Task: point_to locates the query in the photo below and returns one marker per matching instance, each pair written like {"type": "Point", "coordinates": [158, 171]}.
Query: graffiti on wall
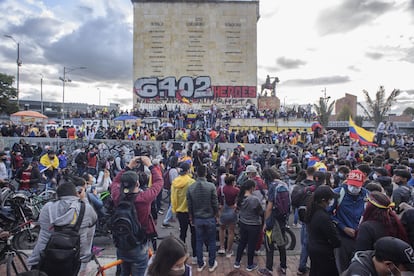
{"type": "Point", "coordinates": [190, 88]}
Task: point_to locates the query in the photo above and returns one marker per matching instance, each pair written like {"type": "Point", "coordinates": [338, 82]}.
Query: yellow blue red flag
{"type": "Point", "coordinates": [365, 137]}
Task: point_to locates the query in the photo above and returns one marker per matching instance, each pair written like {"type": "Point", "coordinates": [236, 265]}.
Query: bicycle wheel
{"type": "Point", "coordinates": [291, 239]}
{"type": "Point", "coordinates": [26, 239]}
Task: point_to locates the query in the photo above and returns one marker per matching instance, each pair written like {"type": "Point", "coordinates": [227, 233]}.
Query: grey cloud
{"type": "Point", "coordinates": [287, 63]}
{"type": "Point", "coordinates": [350, 15]}
{"type": "Point", "coordinates": [100, 45]}
{"type": "Point", "coordinates": [409, 91]}
{"type": "Point", "coordinates": [317, 81]}
{"type": "Point", "coordinates": [37, 28]}
{"type": "Point", "coordinates": [354, 68]}
{"type": "Point", "coordinates": [374, 55]}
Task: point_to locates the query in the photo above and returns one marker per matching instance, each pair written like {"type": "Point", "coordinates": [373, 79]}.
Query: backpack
{"type": "Point", "coordinates": [127, 232]}
{"type": "Point", "coordinates": [62, 253]}
{"type": "Point", "coordinates": [167, 180]}
{"type": "Point", "coordinates": [281, 202]}
{"type": "Point", "coordinates": [300, 196]}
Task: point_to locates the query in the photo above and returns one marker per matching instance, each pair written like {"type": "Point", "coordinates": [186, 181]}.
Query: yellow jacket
{"type": "Point", "coordinates": [179, 188]}
{"type": "Point", "coordinates": [45, 161]}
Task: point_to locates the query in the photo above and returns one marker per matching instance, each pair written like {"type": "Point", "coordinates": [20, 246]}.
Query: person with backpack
{"type": "Point", "coordinates": [169, 175]}
{"type": "Point", "coordinates": [300, 197]}
{"type": "Point", "coordinates": [69, 219]}
{"type": "Point", "coordinates": [132, 222]}
{"type": "Point", "coordinates": [276, 216]}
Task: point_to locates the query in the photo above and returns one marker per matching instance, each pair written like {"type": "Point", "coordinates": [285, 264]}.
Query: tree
{"type": "Point", "coordinates": [324, 111]}
{"type": "Point", "coordinates": [344, 114]}
{"type": "Point", "coordinates": [7, 93]}
{"type": "Point", "coordinates": [409, 111]}
{"type": "Point", "coordinates": [377, 109]}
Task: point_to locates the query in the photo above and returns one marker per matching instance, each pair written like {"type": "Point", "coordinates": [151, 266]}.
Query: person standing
{"type": "Point", "coordinates": [179, 203]}
{"type": "Point", "coordinates": [380, 132]}
{"type": "Point", "coordinates": [346, 213]}
{"type": "Point", "coordinates": [203, 211]}
{"type": "Point", "coordinates": [250, 217]}
{"type": "Point", "coordinates": [127, 182]}
{"type": "Point", "coordinates": [323, 236]}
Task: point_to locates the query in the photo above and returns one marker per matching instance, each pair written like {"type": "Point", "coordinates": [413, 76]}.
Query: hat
{"type": "Point", "coordinates": [355, 178]}
{"type": "Point", "coordinates": [324, 192]}
{"type": "Point", "coordinates": [128, 181]}
{"type": "Point", "coordinates": [395, 250]}
{"type": "Point", "coordinates": [251, 169]}
{"type": "Point", "coordinates": [403, 173]}
{"type": "Point", "coordinates": [185, 167]}
{"type": "Point", "coordinates": [382, 171]}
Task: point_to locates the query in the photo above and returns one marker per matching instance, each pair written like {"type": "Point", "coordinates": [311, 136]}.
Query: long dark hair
{"type": "Point", "coordinates": [169, 251]}
{"type": "Point", "coordinates": [247, 185]}
{"type": "Point", "coordinates": [379, 209]}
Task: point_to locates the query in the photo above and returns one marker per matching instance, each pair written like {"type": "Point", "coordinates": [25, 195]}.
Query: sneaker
{"type": "Point", "coordinates": [302, 272]}
{"type": "Point", "coordinates": [296, 225]}
{"type": "Point", "coordinates": [166, 225]}
{"type": "Point", "coordinates": [265, 272]}
{"type": "Point", "coordinates": [212, 268]}
{"type": "Point", "coordinates": [236, 264]}
{"type": "Point", "coordinates": [229, 254]}
{"type": "Point", "coordinates": [221, 251]}
{"type": "Point", "coordinates": [282, 270]}
{"type": "Point", "coordinates": [201, 268]}
{"type": "Point", "coordinates": [251, 267]}
{"type": "Point", "coordinates": [194, 260]}
{"type": "Point", "coordinates": [160, 212]}
{"type": "Point", "coordinates": [259, 253]}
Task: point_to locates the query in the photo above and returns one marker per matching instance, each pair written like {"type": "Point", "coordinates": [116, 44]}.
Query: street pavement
{"type": "Point", "coordinates": [225, 265]}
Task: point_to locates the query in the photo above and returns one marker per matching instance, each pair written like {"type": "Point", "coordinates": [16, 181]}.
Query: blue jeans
{"type": "Point", "coordinates": [304, 252]}
{"type": "Point", "coordinates": [135, 260]}
{"type": "Point", "coordinates": [205, 230]}
{"type": "Point", "coordinates": [168, 215]}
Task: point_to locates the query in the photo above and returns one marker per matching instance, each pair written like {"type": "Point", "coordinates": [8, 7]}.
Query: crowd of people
{"type": "Point", "coordinates": [350, 206]}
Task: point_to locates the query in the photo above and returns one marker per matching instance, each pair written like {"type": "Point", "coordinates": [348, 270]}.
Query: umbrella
{"type": "Point", "coordinates": [30, 114]}
{"type": "Point", "coordinates": [125, 118]}
{"type": "Point", "coordinates": [315, 126]}
{"type": "Point", "coordinates": [166, 124]}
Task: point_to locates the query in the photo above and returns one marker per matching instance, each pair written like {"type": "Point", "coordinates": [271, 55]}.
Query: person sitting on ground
{"type": "Point", "coordinates": [170, 259]}
{"type": "Point", "coordinates": [391, 256]}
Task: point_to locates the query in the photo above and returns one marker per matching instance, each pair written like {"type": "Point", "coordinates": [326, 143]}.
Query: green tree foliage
{"type": "Point", "coordinates": [324, 110]}
{"type": "Point", "coordinates": [344, 114]}
{"type": "Point", "coordinates": [7, 93]}
{"type": "Point", "coordinates": [376, 109]}
{"type": "Point", "coordinates": [409, 111]}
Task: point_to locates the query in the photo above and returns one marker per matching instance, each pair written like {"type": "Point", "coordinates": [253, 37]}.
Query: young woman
{"type": "Point", "coordinates": [378, 220]}
{"type": "Point", "coordinates": [250, 217]}
{"type": "Point", "coordinates": [227, 196]}
{"type": "Point", "coordinates": [170, 259]}
{"type": "Point", "coordinates": [323, 236]}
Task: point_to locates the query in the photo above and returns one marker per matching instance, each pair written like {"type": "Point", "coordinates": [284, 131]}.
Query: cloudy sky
{"type": "Point", "coordinates": [343, 46]}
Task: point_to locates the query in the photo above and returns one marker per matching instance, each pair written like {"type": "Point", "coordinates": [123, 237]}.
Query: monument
{"type": "Point", "coordinates": [199, 51]}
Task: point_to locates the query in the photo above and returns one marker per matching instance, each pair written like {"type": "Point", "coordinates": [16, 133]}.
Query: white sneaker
{"type": "Point", "coordinates": [211, 269]}
{"type": "Point", "coordinates": [229, 254]}
{"type": "Point", "coordinates": [221, 251]}
{"type": "Point", "coordinates": [194, 260]}
{"type": "Point", "coordinates": [199, 269]}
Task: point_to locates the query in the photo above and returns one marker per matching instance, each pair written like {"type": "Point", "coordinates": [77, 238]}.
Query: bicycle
{"type": "Point", "coordinates": [100, 270]}
{"type": "Point", "coordinates": [14, 260]}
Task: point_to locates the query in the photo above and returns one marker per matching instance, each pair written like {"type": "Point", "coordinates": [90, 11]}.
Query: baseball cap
{"type": "Point", "coordinates": [324, 192]}
{"type": "Point", "coordinates": [355, 178]}
{"type": "Point", "coordinates": [128, 181]}
{"type": "Point", "coordinates": [251, 168]}
{"type": "Point", "coordinates": [395, 250]}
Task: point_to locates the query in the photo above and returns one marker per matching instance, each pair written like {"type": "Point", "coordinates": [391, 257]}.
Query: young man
{"type": "Point", "coordinates": [126, 182]}
{"type": "Point", "coordinates": [203, 210]}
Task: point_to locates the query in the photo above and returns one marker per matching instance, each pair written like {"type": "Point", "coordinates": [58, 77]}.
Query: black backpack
{"type": "Point", "coordinates": [62, 253]}
{"type": "Point", "coordinates": [127, 232]}
{"type": "Point", "coordinates": [300, 197]}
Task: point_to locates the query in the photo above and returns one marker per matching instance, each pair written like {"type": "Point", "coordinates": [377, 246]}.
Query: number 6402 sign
{"type": "Point", "coordinates": [199, 87]}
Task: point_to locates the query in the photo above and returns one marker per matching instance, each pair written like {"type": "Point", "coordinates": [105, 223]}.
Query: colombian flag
{"type": "Point", "coordinates": [365, 137]}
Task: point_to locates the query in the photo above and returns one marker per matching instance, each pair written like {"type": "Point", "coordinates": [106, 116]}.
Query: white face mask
{"type": "Point", "coordinates": [177, 271]}
{"type": "Point", "coordinates": [331, 202]}
{"type": "Point", "coordinates": [354, 190]}
{"type": "Point", "coordinates": [374, 176]}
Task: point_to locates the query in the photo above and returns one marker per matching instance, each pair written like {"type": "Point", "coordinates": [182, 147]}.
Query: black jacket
{"type": "Point", "coordinates": [361, 265]}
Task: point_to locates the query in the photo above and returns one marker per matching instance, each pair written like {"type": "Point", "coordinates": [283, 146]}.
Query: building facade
{"type": "Point", "coordinates": [195, 51]}
{"type": "Point", "coordinates": [349, 101]}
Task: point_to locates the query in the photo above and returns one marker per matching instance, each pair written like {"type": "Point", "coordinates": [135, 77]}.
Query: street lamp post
{"type": "Point", "coordinates": [41, 93]}
{"type": "Point", "coordinates": [64, 80]}
{"type": "Point", "coordinates": [99, 90]}
{"type": "Point", "coordinates": [18, 63]}
{"type": "Point", "coordinates": [326, 98]}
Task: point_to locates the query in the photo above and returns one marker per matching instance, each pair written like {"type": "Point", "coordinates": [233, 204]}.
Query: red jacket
{"type": "Point", "coordinates": [144, 198]}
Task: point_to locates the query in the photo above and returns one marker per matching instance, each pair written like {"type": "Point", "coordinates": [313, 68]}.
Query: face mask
{"type": "Point", "coordinates": [354, 190]}
{"type": "Point", "coordinates": [341, 175]}
{"type": "Point", "coordinates": [374, 176]}
{"type": "Point", "coordinates": [331, 202]}
{"type": "Point", "coordinates": [177, 271]}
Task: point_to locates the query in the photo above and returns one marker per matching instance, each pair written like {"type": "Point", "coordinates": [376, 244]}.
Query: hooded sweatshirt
{"type": "Point", "coordinates": [62, 212]}
{"type": "Point", "coordinates": [179, 189]}
{"type": "Point", "coordinates": [361, 265]}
